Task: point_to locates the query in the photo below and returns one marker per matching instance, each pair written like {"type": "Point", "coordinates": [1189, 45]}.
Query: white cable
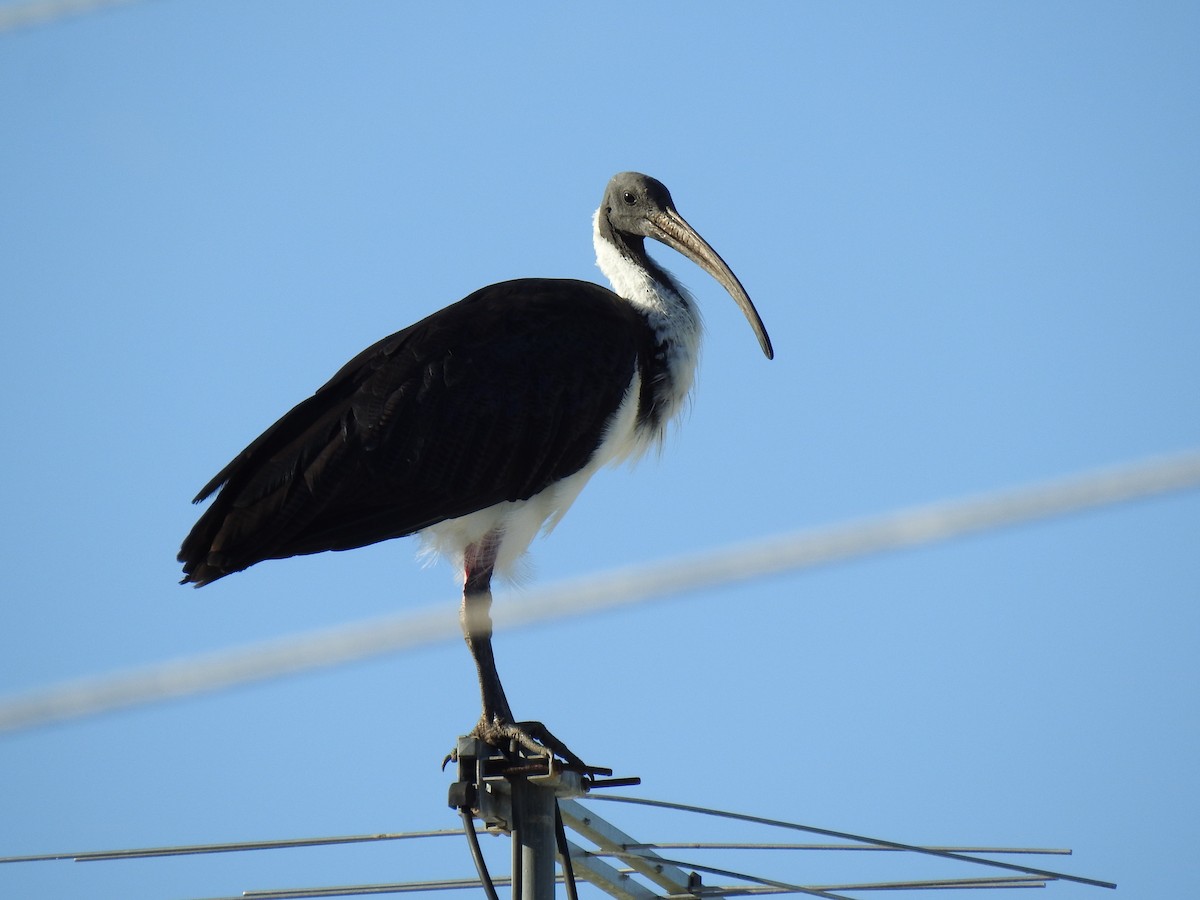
{"type": "Point", "coordinates": [42, 12]}
{"type": "Point", "coordinates": [391, 634]}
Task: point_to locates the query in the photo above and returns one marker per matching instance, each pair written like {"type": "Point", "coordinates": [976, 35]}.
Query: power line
{"type": "Point", "coordinates": [912, 527]}
{"type": "Point", "coordinates": [43, 12]}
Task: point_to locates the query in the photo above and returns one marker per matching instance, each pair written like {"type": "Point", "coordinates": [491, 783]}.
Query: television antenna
{"type": "Point", "coordinates": [557, 839]}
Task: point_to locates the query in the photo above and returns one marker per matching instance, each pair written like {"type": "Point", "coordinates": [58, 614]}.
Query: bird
{"type": "Point", "coordinates": [479, 425]}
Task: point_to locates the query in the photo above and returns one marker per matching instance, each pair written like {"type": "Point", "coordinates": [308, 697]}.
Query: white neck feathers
{"type": "Point", "coordinates": [669, 310]}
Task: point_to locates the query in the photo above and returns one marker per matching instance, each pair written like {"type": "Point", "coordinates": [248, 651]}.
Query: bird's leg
{"type": "Point", "coordinates": [496, 725]}
{"type": "Point", "coordinates": [479, 561]}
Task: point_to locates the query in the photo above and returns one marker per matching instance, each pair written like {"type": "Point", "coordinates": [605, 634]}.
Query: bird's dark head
{"type": "Point", "coordinates": [637, 206]}
{"type": "Point", "coordinates": [632, 201]}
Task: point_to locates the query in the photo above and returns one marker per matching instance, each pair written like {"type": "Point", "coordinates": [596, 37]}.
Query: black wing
{"type": "Point", "coordinates": [493, 398]}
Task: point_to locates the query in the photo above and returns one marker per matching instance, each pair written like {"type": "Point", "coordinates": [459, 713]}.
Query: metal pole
{"type": "Point", "coordinates": [534, 848]}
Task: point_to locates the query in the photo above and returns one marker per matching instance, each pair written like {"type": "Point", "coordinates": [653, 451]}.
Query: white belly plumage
{"type": "Point", "coordinates": [519, 521]}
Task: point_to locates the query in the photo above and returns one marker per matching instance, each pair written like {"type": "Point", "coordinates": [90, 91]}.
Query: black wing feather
{"type": "Point", "coordinates": [493, 398]}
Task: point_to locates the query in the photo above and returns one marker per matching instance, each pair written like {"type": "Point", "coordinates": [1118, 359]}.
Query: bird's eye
{"type": "Point", "coordinates": [629, 197]}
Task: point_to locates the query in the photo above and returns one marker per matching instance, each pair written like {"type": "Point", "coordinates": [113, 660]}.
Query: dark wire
{"type": "Point", "coordinates": [564, 852]}
{"type": "Point", "coordinates": [485, 878]}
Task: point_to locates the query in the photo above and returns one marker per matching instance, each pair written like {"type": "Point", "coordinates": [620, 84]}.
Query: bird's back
{"type": "Point", "coordinates": [491, 399]}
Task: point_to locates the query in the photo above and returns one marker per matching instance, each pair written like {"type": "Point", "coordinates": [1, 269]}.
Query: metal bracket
{"type": "Point", "coordinates": [485, 772]}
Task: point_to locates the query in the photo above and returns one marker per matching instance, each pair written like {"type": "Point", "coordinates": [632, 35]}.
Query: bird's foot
{"type": "Point", "coordinates": [533, 738]}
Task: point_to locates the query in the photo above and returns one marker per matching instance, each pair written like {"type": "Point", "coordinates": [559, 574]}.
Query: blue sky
{"type": "Point", "coordinates": [972, 231]}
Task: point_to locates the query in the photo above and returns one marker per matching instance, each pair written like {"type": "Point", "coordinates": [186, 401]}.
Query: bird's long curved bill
{"type": "Point", "coordinates": [676, 233]}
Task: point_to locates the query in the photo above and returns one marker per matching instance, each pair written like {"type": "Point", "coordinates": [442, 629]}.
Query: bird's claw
{"type": "Point", "coordinates": [532, 737]}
